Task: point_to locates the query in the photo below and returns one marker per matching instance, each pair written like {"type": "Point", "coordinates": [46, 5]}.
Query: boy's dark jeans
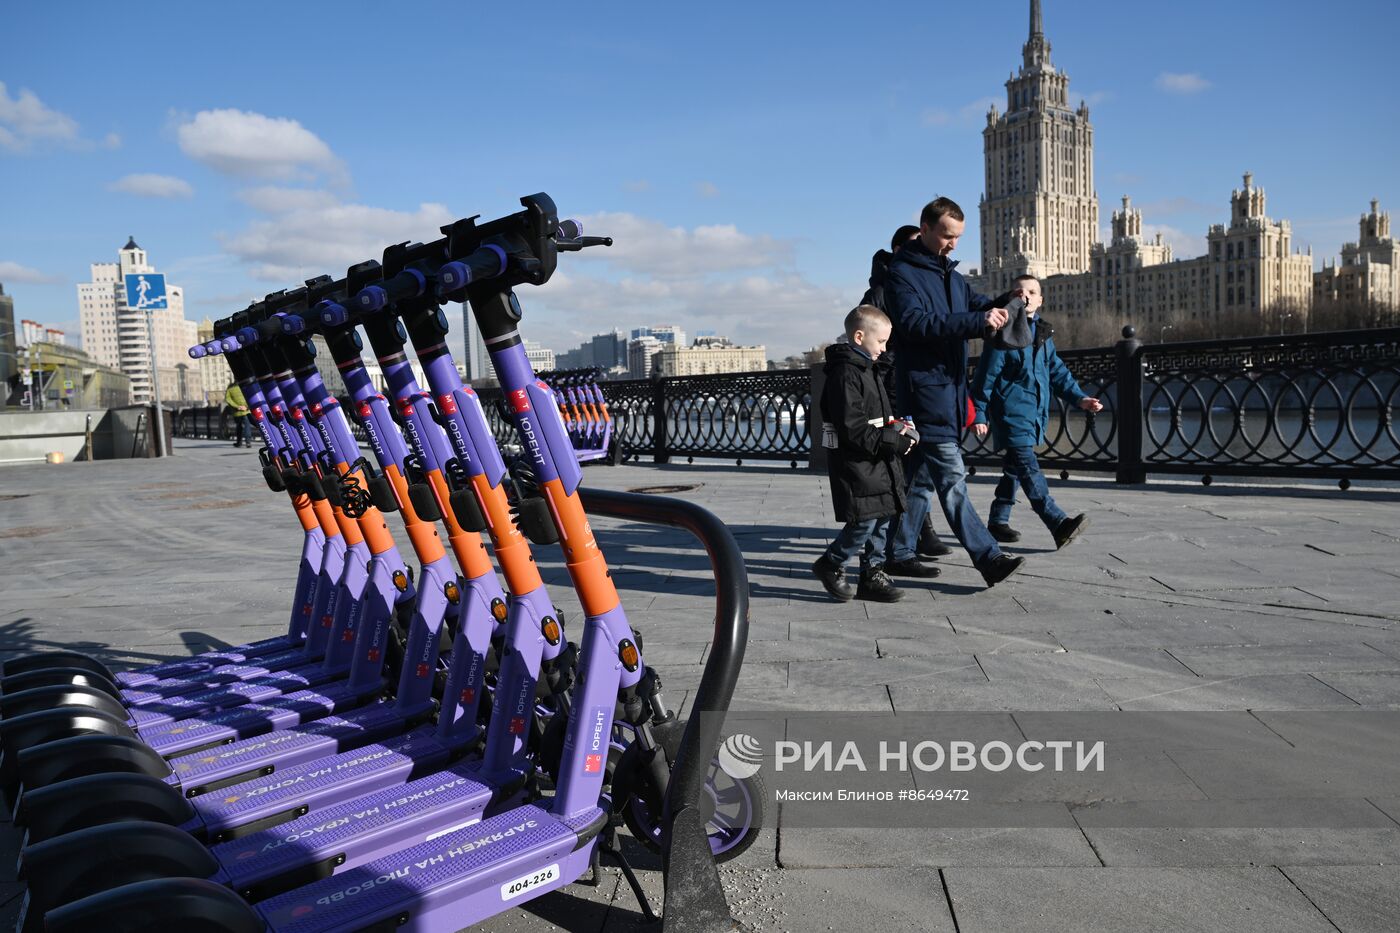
{"type": "Point", "coordinates": [866, 538]}
{"type": "Point", "coordinates": [1022, 468]}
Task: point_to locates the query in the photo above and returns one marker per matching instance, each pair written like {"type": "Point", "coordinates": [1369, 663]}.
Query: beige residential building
{"type": "Point", "coordinates": [214, 374]}
{"type": "Point", "coordinates": [117, 336]}
{"type": "Point", "coordinates": [1249, 267]}
{"type": "Point", "coordinates": [703, 360]}
{"type": "Point", "coordinates": [1369, 272]}
{"type": "Point", "coordinates": [1040, 213]}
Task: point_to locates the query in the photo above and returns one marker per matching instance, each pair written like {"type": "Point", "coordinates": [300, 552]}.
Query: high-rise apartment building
{"type": "Point", "coordinates": [1040, 212]}
{"type": "Point", "coordinates": [117, 335]}
{"type": "Point", "coordinates": [665, 333]}
{"type": "Point", "coordinates": [476, 360]}
{"type": "Point", "coordinates": [541, 357]}
{"type": "Point", "coordinates": [641, 351]}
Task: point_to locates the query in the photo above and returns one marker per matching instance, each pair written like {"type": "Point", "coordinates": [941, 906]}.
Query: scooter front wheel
{"type": "Point", "coordinates": [732, 808]}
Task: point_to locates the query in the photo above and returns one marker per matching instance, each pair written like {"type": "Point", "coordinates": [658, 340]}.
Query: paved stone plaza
{"type": "Point", "coordinates": [1254, 600]}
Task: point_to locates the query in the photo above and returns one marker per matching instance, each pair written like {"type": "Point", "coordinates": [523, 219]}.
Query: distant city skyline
{"type": "Point", "coordinates": [745, 198]}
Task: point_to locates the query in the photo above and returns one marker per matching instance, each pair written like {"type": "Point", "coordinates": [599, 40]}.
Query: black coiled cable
{"type": "Point", "coordinates": [353, 494]}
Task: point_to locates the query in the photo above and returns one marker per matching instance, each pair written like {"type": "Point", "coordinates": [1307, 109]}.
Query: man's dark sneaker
{"type": "Point", "coordinates": [1004, 533]}
{"type": "Point", "coordinates": [1069, 529]}
{"type": "Point", "coordinates": [833, 578]}
{"type": "Point", "coordinates": [876, 586]}
{"type": "Point", "coordinates": [912, 567]}
{"type": "Point", "coordinates": [1001, 567]}
{"type": "Point", "coordinates": [929, 545]}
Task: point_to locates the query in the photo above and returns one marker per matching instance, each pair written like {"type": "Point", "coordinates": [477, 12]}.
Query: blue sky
{"type": "Point", "coordinates": [748, 157]}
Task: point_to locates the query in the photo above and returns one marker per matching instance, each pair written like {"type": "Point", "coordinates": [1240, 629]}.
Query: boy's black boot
{"type": "Point", "coordinates": [929, 545]}
{"type": "Point", "coordinates": [1000, 567]}
{"type": "Point", "coordinates": [1069, 529]}
{"type": "Point", "coordinates": [876, 586]}
{"type": "Point", "coordinates": [1004, 532]}
{"type": "Point", "coordinates": [833, 577]}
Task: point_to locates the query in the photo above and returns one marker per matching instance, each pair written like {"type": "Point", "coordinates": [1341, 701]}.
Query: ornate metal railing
{"type": "Point", "coordinates": [1316, 405]}
{"type": "Point", "coordinates": [1308, 405]}
{"type": "Point", "coordinates": [758, 416]}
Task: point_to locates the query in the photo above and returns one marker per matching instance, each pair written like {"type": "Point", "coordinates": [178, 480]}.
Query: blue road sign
{"type": "Point", "coordinates": [145, 290]}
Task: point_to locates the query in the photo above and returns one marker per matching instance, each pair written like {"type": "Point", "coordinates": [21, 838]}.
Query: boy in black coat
{"type": "Point", "coordinates": [864, 443]}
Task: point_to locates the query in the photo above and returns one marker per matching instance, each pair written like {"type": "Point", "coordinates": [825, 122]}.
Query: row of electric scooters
{"type": "Point", "coordinates": [418, 751]}
{"type": "Point", "coordinates": [585, 412]}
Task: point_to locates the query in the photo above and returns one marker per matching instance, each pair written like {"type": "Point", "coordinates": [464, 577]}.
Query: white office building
{"type": "Point", "coordinates": [117, 336]}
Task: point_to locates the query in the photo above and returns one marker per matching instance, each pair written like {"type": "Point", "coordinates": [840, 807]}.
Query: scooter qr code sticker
{"type": "Point", "coordinates": [828, 436]}
{"type": "Point", "coordinates": [527, 883]}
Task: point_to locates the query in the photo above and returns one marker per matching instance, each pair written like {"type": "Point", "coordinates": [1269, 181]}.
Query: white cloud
{"type": "Point", "coordinates": [1184, 83]}
{"type": "Point", "coordinates": [25, 120]}
{"type": "Point", "coordinates": [636, 186]}
{"type": "Point", "coordinates": [968, 114]}
{"type": "Point", "coordinates": [320, 237]}
{"type": "Point", "coordinates": [251, 145]}
{"type": "Point", "coordinates": [717, 278]}
{"type": "Point", "coordinates": [642, 245]}
{"type": "Point", "coordinates": [14, 272]}
{"type": "Point", "coordinates": [152, 186]}
{"type": "Point", "coordinates": [778, 309]}
{"type": "Point", "coordinates": [273, 200]}
{"type": "Point", "coordinates": [706, 189]}
{"type": "Point", "coordinates": [112, 141]}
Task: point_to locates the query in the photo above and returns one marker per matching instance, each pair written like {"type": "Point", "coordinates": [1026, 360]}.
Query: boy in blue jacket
{"type": "Point", "coordinates": [1011, 390]}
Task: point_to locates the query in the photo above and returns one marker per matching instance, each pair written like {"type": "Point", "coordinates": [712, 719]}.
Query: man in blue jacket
{"type": "Point", "coordinates": [934, 312]}
{"type": "Point", "coordinates": [1011, 390]}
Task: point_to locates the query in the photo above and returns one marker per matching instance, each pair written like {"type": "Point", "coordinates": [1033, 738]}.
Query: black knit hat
{"type": "Point", "coordinates": [1017, 332]}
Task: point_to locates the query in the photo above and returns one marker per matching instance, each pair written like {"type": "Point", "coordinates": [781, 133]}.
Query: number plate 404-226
{"type": "Point", "coordinates": [525, 884]}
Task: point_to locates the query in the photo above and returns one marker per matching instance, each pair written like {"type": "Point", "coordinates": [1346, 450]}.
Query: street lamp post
{"type": "Point", "coordinates": [1162, 334]}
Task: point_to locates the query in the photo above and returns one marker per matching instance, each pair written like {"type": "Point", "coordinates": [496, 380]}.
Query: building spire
{"type": "Point", "coordinates": [1036, 28]}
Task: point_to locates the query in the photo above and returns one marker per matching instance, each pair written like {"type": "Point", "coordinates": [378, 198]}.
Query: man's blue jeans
{"type": "Point", "coordinates": [1022, 468]}
{"type": "Point", "coordinates": [939, 469]}
{"type": "Point", "coordinates": [865, 538]}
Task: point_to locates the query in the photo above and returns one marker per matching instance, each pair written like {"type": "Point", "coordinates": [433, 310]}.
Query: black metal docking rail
{"type": "Point", "coordinates": [695, 901]}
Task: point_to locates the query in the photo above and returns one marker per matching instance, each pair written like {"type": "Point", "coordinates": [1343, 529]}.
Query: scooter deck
{"type": "Point", "coordinates": [315, 785]}
{"type": "Point", "coordinates": [243, 722]}
{"type": "Point", "coordinates": [168, 709]}
{"type": "Point", "coordinates": [443, 884]}
{"type": "Point", "coordinates": [213, 768]}
{"type": "Point", "coordinates": [357, 831]}
{"type": "Point", "coordinates": [228, 673]}
{"type": "Point", "coordinates": [187, 667]}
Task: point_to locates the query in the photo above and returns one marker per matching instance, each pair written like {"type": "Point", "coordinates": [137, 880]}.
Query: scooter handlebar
{"type": "Point", "coordinates": [488, 261]}
{"type": "Point", "coordinates": [331, 313]}
{"type": "Point", "coordinates": [410, 283]}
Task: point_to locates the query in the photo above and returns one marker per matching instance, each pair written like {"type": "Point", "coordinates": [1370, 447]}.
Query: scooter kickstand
{"type": "Point", "coordinates": [613, 850]}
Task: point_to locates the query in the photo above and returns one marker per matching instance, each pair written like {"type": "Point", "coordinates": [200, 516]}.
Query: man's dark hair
{"type": "Point", "coordinates": [866, 318]}
{"type": "Point", "coordinates": [901, 236]}
{"type": "Point", "coordinates": [934, 210]}
{"type": "Point", "coordinates": [1027, 277]}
